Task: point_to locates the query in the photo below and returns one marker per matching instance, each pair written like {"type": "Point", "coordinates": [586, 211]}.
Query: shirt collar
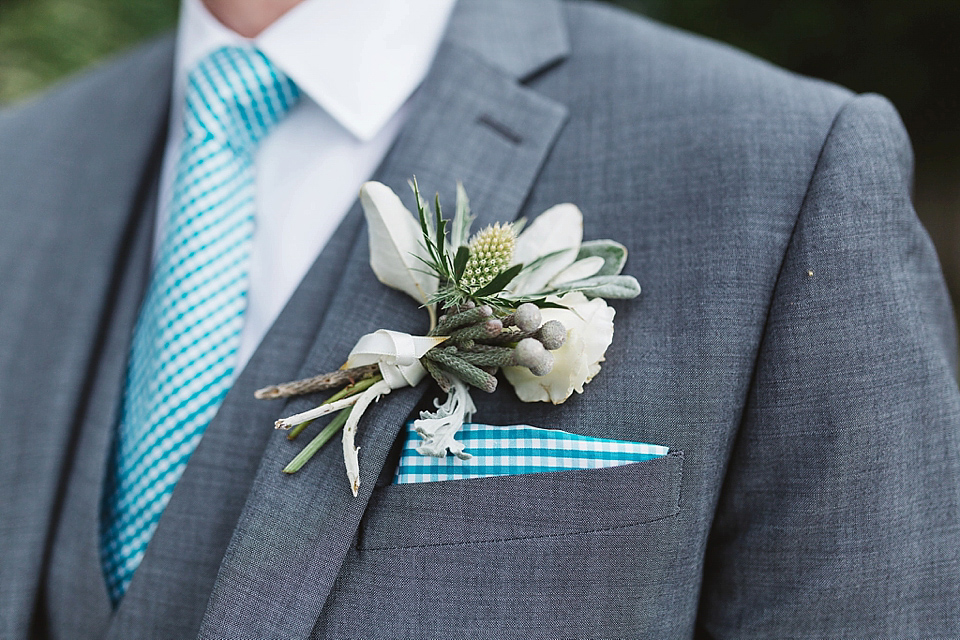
{"type": "Point", "coordinates": [359, 60]}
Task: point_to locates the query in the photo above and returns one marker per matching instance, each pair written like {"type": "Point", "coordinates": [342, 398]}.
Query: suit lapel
{"type": "Point", "coordinates": [471, 122]}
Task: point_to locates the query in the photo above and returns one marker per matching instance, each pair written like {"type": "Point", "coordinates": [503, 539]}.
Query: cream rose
{"type": "Point", "coordinates": [589, 325]}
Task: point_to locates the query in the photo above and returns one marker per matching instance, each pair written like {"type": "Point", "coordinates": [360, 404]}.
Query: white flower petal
{"type": "Point", "coordinates": [395, 241]}
{"type": "Point", "coordinates": [598, 334]}
{"type": "Point", "coordinates": [589, 325]}
{"type": "Point", "coordinates": [583, 268]}
{"type": "Point", "coordinates": [559, 228]}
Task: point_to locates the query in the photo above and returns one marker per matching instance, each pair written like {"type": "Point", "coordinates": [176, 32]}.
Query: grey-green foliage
{"type": "Point", "coordinates": [607, 282]}
{"type": "Point", "coordinates": [611, 287]}
{"type": "Point", "coordinates": [613, 253]}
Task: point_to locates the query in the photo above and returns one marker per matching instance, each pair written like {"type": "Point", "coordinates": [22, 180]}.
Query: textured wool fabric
{"type": "Point", "coordinates": [75, 600]}
{"type": "Point", "coordinates": [793, 347]}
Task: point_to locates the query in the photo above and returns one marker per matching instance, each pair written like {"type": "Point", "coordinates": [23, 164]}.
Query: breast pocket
{"type": "Point", "coordinates": [562, 554]}
{"type": "Point", "coordinates": [525, 506]}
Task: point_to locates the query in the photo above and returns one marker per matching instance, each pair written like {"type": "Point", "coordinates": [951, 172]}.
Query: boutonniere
{"type": "Point", "coordinates": [524, 302]}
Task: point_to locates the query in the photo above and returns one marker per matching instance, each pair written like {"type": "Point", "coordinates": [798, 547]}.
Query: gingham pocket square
{"type": "Point", "coordinates": [516, 450]}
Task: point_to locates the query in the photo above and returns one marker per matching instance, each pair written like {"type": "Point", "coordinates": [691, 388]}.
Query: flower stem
{"type": "Point", "coordinates": [347, 391]}
{"type": "Point", "coordinates": [316, 412]}
{"type": "Point", "coordinates": [350, 431]}
{"type": "Point", "coordinates": [297, 430]}
{"type": "Point", "coordinates": [318, 441]}
{"type": "Point", "coordinates": [356, 387]}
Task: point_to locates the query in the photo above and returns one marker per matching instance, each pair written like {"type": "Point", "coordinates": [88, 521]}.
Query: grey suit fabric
{"type": "Point", "coordinates": [794, 346]}
{"type": "Point", "coordinates": [73, 572]}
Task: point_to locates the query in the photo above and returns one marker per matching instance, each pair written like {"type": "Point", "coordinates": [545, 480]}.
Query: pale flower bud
{"type": "Point", "coordinates": [527, 317]}
{"type": "Point", "coordinates": [493, 326]}
{"type": "Point", "coordinates": [491, 251]}
{"type": "Point", "coordinates": [552, 334]}
{"type": "Point", "coordinates": [530, 353]}
{"type": "Point", "coordinates": [545, 366]}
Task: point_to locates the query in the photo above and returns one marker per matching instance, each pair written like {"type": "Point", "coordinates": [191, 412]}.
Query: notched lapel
{"type": "Point", "coordinates": [471, 122]}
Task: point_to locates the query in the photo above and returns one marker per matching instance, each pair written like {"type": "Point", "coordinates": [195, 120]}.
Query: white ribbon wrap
{"type": "Point", "coordinates": [398, 355]}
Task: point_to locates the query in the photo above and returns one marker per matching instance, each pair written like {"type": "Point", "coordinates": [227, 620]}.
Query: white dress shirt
{"type": "Point", "coordinates": [356, 63]}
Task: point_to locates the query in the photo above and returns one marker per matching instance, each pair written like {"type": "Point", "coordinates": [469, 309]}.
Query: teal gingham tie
{"type": "Point", "coordinates": [185, 342]}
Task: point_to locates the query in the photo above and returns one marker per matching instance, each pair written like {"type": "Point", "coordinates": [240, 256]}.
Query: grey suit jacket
{"type": "Point", "coordinates": [794, 346]}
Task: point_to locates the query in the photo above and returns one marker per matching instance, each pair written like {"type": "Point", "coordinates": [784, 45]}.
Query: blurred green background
{"type": "Point", "coordinates": [908, 51]}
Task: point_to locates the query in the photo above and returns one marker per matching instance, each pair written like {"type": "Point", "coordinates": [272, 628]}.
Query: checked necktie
{"type": "Point", "coordinates": [186, 339]}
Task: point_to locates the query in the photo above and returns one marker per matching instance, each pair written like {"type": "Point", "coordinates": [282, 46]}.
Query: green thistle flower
{"type": "Point", "coordinates": [491, 251]}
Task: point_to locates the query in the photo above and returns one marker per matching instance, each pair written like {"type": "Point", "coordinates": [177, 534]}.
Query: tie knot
{"type": "Point", "coordinates": [236, 95]}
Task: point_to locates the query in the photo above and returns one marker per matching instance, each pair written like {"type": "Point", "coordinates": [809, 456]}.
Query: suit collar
{"type": "Point", "coordinates": [520, 38]}
{"type": "Point", "coordinates": [359, 61]}
{"type": "Point", "coordinates": [471, 122]}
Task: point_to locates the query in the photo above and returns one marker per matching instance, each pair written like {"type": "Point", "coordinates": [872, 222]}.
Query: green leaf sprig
{"type": "Point", "coordinates": [449, 257]}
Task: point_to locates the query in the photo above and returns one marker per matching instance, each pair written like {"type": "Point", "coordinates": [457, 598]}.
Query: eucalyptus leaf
{"type": "Point", "coordinates": [613, 253]}
{"type": "Point", "coordinates": [540, 301]}
{"type": "Point", "coordinates": [426, 222]}
{"type": "Point", "coordinates": [426, 227]}
{"type": "Point", "coordinates": [543, 303]}
{"type": "Point", "coordinates": [622, 287]}
{"type": "Point", "coordinates": [440, 227]}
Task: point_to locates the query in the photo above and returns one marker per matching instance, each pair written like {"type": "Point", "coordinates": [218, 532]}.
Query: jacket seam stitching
{"type": "Point", "coordinates": [675, 511]}
{"type": "Point", "coordinates": [786, 250]}
{"type": "Point", "coordinates": [773, 294]}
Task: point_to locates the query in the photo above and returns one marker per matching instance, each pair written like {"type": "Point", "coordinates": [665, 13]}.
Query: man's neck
{"type": "Point", "coordinates": [249, 17]}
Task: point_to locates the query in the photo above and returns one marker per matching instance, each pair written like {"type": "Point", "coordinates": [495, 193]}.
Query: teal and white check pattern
{"type": "Point", "coordinates": [515, 450]}
{"type": "Point", "coordinates": [185, 342]}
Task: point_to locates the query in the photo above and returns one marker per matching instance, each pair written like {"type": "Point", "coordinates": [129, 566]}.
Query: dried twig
{"type": "Point", "coordinates": [317, 383]}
